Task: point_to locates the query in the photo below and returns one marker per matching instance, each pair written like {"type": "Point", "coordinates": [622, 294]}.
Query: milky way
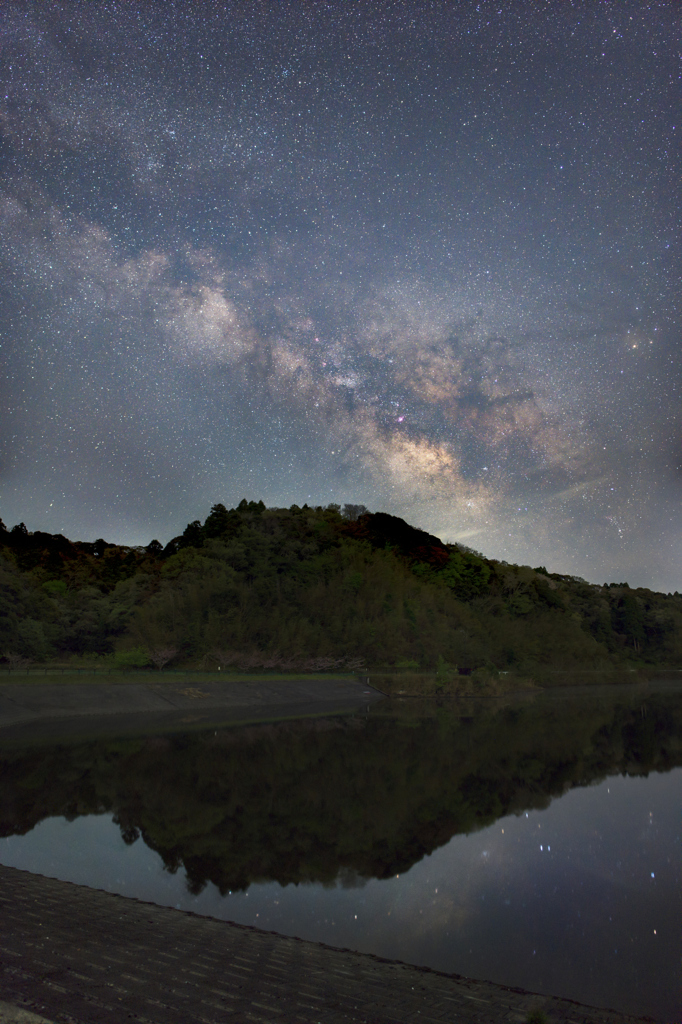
{"type": "Point", "coordinates": [423, 256]}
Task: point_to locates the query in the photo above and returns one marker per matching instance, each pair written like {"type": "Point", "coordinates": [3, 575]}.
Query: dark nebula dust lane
{"type": "Point", "coordinates": [420, 255]}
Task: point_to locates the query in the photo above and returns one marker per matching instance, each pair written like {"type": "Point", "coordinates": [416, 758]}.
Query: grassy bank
{"type": "Point", "coordinates": [430, 684]}
{"type": "Point", "coordinates": [150, 677]}
{"type": "Point", "coordinates": [480, 683]}
{"type": "Point", "coordinates": [489, 683]}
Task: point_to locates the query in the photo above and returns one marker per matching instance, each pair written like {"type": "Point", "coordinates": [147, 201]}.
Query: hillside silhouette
{"type": "Point", "coordinates": [319, 589]}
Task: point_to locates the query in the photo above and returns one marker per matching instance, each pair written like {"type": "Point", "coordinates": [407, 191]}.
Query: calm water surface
{"type": "Point", "coordinates": [534, 843]}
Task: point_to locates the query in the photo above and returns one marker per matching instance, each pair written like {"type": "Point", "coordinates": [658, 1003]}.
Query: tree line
{"type": "Point", "coordinates": [317, 589]}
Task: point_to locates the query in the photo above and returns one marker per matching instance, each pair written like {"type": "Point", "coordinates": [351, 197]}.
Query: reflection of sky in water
{"type": "Point", "coordinates": [581, 900]}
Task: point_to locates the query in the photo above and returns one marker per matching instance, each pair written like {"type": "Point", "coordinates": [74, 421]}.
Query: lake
{"type": "Point", "coordinates": [530, 841]}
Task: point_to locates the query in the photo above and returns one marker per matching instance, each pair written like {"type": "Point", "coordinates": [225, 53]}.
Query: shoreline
{"type": "Point", "coordinates": [63, 709]}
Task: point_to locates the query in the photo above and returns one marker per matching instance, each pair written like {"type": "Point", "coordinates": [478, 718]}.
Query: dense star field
{"type": "Point", "coordinates": [420, 255]}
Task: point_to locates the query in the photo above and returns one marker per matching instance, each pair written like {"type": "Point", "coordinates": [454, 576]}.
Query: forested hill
{"type": "Point", "coordinates": [317, 589]}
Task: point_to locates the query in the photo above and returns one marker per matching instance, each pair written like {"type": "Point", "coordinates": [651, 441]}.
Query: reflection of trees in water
{"type": "Point", "coordinates": [342, 799]}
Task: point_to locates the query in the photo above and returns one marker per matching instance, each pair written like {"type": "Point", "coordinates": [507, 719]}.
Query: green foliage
{"type": "Point", "coordinates": [628, 618]}
{"type": "Point", "coordinates": [444, 671]}
{"type": "Point", "coordinates": [288, 588]}
{"type": "Point", "coordinates": [130, 658]}
{"type": "Point", "coordinates": [55, 587]}
{"type": "Point", "coordinates": [520, 604]}
{"type": "Point", "coordinates": [354, 580]}
{"type": "Point", "coordinates": [465, 574]}
{"type": "Point", "coordinates": [536, 1017]}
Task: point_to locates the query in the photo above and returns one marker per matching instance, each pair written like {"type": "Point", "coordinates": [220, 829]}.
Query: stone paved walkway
{"type": "Point", "coordinates": [16, 1015]}
{"type": "Point", "coordinates": [75, 955]}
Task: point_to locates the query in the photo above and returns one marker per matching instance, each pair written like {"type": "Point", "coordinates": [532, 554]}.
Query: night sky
{"type": "Point", "coordinates": [424, 256]}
